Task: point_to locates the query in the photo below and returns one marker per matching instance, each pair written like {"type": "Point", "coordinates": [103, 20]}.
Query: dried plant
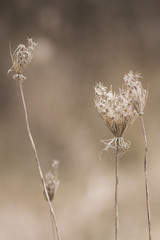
{"type": "Point", "coordinates": [52, 181]}
{"type": "Point", "coordinates": [138, 96]}
{"type": "Point", "coordinates": [136, 93]}
{"type": "Point", "coordinates": [21, 57]}
{"type": "Point", "coordinates": [115, 109]}
{"type": "Point", "coordinates": [118, 114]}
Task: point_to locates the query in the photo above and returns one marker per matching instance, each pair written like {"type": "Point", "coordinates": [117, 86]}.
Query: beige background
{"type": "Point", "coordinates": [79, 43]}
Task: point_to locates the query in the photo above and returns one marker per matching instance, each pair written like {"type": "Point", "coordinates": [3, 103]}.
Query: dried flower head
{"type": "Point", "coordinates": [52, 181]}
{"type": "Point", "coordinates": [115, 109]}
{"type": "Point", "coordinates": [136, 93]}
{"type": "Point", "coordinates": [21, 57]}
{"type": "Point", "coordinates": [118, 114]}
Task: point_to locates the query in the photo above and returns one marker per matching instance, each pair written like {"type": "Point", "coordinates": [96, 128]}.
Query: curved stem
{"type": "Point", "coordinates": [116, 191]}
{"type": "Point", "coordinates": [146, 178]}
{"type": "Point", "coordinates": [37, 160]}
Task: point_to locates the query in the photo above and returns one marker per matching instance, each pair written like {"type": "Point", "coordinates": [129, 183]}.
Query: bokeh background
{"type": "Point", "coordinates": [80, 42]}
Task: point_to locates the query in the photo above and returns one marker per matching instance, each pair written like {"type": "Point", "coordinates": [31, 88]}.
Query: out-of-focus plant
{"type": "Point", "coordinates": [21, 57]}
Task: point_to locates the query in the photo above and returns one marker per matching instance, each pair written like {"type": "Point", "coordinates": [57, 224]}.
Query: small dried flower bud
{"type": "Point", "coordinates": [50, 186]}
{"type": "Point", "coordinates": [52, 181]}
{"type": "Point", "coordinates": [137, 95]}
{"type": "Point", "coordinates": [22, 56]}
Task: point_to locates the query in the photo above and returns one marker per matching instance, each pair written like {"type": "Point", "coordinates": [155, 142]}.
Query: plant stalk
{"type": "Point", "coordinates": [37, 160]}
{"type": "Point", "coordinates": [116, 191]}
{"type": "Point", "coordinates": [146, 178]}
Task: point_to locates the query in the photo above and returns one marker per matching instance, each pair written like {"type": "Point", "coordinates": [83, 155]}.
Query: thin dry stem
{"type": "Point", "coordinates": [146, 178]}
{"type": "Point", "coordinates": [116, 191]}
{"type": "Point", "coordinates": [37, 160]}
{"type": "Point", "coordinates": [53, 226]}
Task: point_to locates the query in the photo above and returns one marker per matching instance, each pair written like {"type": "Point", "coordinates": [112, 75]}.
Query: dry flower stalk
{"type": "Point", "coordinates": [21, 57]}
{"type": "Point", "coordinates": [118, 114]}
{"type": "Point", "coordinates": [138, 96]}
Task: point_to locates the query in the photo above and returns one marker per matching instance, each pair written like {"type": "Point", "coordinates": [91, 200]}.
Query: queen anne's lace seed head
{"type": "Point", "coordinates": [136, 94]}
{"type": "Point", "coordinates": [115, 109]}
{"type": "Point", "coordinates": [21, 57]}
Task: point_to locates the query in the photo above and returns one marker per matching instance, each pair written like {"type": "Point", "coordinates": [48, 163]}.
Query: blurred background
{"type": "Point", "coordinates": [80, 42]}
